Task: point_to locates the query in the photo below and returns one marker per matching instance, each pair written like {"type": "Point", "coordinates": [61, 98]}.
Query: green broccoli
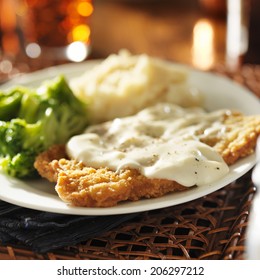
{"type": "Point", "coordinates": [49, 115]}
{"type": "Point", "coordinates": [10, 103]}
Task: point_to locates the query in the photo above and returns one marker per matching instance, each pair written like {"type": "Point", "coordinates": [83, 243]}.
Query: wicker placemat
{"type": "Point", "coordinates": [212, 227]}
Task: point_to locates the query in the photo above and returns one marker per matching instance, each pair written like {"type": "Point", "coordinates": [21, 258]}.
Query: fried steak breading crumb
{"type": "Point", "coordinates": [86, 186]}
{"type": "Point", "coordinates": [103, 187]}
{"type": "Point", "coordinates": [240, 137]}
{"type": "Point", "coordinates": [80, 185]}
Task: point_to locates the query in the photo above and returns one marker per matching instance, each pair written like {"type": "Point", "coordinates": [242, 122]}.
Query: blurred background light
{"type": "Point", "coordinates": [77, 51]}
{"type": "Point", "coordinates": [33, 50]}
{"type": "Point", "coordinates": [80, 33]}
{"type": "Point", "coordinates": [85, 8]}
{"type": "Point", "coordinates": [203, 44]}
{"type": "Point", "coordinates": [6, 66]}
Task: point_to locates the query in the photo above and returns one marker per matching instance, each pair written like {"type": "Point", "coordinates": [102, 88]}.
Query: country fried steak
{"type": "Point", "coordinates": [81, 185]}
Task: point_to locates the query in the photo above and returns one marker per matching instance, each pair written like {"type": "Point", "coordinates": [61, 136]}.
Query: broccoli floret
{"type": "Point", "coordinates": [10, 103]}
{"type": "Point", "coordinates": [49, 115]}
{"type": "Point", "coordinates": [20, 142]}
{"type": "Point", "coordinates": [19, 166]}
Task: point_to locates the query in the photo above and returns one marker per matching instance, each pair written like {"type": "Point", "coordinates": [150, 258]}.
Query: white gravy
{"type": "Point", "coordinates": [160, 141]}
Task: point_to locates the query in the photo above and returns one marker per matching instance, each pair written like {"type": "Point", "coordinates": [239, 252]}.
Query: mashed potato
{"type": "Point", "coordinates": [124, 84]}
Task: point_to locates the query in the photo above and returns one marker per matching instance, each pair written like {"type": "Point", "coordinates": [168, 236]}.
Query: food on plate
{"type": "Point", "coordinates": [123, 84]}
{"type": "Point", "coordinates": [10, 103]}
{"type": "Point", "coordinates": [146, 133]}
{"type": "Point", "coordinates": [31, 120]}
{"type": "Point", "coordinates": [163, 148]}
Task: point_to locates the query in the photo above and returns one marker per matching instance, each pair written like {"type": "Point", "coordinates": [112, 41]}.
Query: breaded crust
{"type": "Point", "coordinates": [84, 186]}
{"type": "Point", "coordinates": [239, 138]}
{"type": "Point", "coordinates": [47, 162]}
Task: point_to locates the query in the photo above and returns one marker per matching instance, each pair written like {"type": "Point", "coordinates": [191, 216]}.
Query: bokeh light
{"type": "Point", "coordinates": [85, 9]}
{"type": "Point", "coordinates": [33, 50]}
{"type": "Point", "coordinates": [77, 51]}
{"type": "Point", "coordinates": [80, 33]}
{"type": "Point", "coordinates": [203, 55]}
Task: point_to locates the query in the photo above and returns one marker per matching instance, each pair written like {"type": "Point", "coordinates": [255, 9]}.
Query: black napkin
{"type": "Point", "coordinates": [44, 231]}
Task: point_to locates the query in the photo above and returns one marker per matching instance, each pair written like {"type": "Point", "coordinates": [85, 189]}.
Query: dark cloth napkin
{"type": "Point", "coordinates": [43, 231]}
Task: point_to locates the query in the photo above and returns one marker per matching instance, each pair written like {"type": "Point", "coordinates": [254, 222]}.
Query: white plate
{"type": "Point", "coordinates": [219, 92]}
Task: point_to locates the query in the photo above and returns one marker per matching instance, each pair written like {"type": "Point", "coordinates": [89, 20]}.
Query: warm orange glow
{"type": "Point", "coordinates": [10, 43]}
{"type": "Point", "coordinates": [7, 16]}
{"type": "Point", "coordinates": [32, 3]}
{"type": "Point", "coordinates": [80, 33]}
{"type": "Point", "coordinates": [75, 21]}
{"type": "Point", "coordinates": [203, 45]}
{"type": "Point", "coordinates": [85, 9]}
{"type": "Point", "coordinates": [22, 8]}
{"type": "Point", "coordinates": [72, 10]}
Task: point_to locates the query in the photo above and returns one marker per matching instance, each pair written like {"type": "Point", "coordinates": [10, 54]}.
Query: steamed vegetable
{"type": "Point", "coordinates": [33, 120]}
{"type": "Point", "coordinates": [10, 103]}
